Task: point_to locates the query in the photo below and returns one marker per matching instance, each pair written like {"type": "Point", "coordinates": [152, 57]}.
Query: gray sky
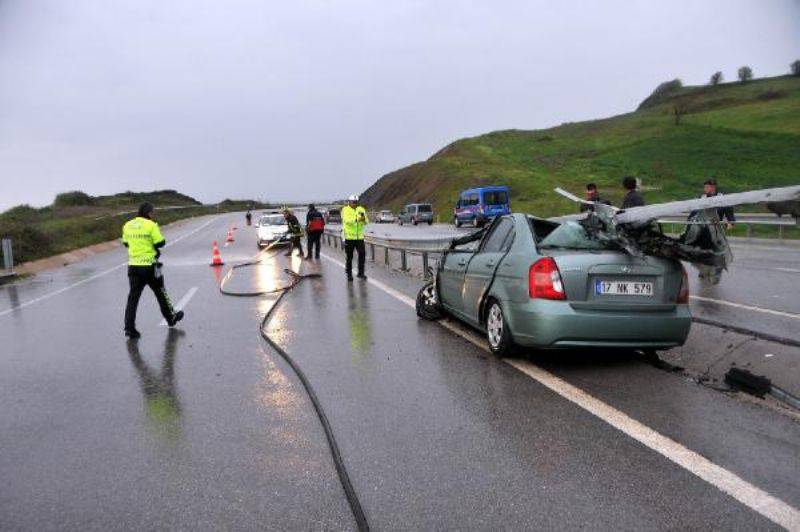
{"type": "Point", "coordinates": [316, 99]}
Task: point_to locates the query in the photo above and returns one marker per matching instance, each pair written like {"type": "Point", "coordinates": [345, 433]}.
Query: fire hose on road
{"type": "Point", "coordinates": [297, 278]}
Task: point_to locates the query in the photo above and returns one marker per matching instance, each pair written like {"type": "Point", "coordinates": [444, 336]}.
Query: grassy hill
{"type": "Point", "coordinates": [76, 219]}
{"type": "Point", "coordinates": [745, 135]}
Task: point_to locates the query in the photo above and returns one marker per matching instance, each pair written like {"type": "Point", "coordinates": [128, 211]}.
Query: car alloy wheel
{"type": "Point", "coordinates": [494, 326]}
{"type": "Point", "coordinates": [428, 303]}
{"type": "Point", "coordinates": [497, 332]}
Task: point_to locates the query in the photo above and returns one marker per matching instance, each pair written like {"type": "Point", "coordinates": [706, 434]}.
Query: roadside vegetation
{"type": "Point", "coordinates": [745, 133]}
{"type": "Point", "coordinates": [76, 219]}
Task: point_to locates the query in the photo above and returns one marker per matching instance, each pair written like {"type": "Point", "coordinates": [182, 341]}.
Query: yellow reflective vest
{"type": "Point", "coordinates": [141, 235]}
{"type": "Point", "coordinates": [353, 222]}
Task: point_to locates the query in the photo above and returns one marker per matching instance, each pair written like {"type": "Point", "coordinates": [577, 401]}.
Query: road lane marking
{"type": "Point", "coordinates": [97, 275]}
{"type": "Point", "coordinates": [181, 304]}
{"type": "Point", "coordinates": [747, 307]}
{"type": "Point", "coordinates": [728, 482]}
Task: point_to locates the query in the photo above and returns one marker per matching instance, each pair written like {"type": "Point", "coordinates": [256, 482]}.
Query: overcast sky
{"type": "Point", "coordinates": [301, 100]}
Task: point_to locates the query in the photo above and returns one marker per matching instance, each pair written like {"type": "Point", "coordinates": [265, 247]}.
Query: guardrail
{"type": "Point", "coordinates": [8, 258]}
{"type": "Point", "coordinates": [428, 248]}
{"type": "Point", "coordinates": [424, 248]}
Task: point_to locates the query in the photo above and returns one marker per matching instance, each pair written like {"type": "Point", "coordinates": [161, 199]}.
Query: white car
{"type": "Point", "coordinates": [385, 217]}
{"type": "Point", "coordinates": [272, 227]}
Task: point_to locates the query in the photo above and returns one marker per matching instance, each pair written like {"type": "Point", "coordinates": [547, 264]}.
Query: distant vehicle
{"type": "Point", "coordinates": [333, 216]}
{"type": "Point", "coordinates": [385, 217]}
{"type": "Point", "coordinates": [481, 205]}
{"type": "Point", "coordinates": [415, 213]}
{"type": "Point", "coordinates": [272, 227]}
{"type": "Point", "coordinates": [546, 284]}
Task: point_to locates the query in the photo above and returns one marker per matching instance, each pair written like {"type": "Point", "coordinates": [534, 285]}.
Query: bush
{"type": "Point", "coordinates": [20, 213]}
{"type": "Point", "coordinates": [716, 78]}
{"type": "Point", "coordinates": [795, 68]}
{"type": "Point", "coordinates": [29, 243]}
{"type": "Point", "coordinates": [661, 93]}
{"type": "Point", "coordinates": [745, 74]}
{"type": "Point", "coordinates": [75, 198]}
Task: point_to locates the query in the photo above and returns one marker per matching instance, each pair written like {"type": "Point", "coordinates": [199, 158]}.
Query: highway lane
{"type": "Point", "coordinates": [201, 428]}
{"type": "Point", "coordinates": [211, 430]}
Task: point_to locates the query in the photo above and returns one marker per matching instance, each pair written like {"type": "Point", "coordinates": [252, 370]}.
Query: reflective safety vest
{"type": "Point", "coordinates": [353, 222]}
{"type": "Point", "coordinates": [141, 235]}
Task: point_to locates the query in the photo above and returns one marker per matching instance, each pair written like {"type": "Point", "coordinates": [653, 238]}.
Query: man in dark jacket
{"type": "Point", "coordinates": [633, 198]}
{"type": "Point", "coordinates": [724, 213]}
{"type": "Point", "coordinates": [295, 232]}
{"type": "Point", "coordinates": [593, 196]}
{"type": "Point", "coordinates": [315, 226]}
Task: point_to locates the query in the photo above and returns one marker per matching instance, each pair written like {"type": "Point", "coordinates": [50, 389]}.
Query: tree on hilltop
{"type": "Point", "coordinates": [716, 78]}
{"type": "Point", "coordinates": [745, 74]}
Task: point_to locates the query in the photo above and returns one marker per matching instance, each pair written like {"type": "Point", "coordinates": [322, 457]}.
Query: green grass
{"type": "Point", "coordinates": [745, 135]}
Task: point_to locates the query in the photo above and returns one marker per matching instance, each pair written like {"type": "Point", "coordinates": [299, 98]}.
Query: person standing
{"type": "Point", "coordinates": [594, 197]}
{"type": "Point", "coordinates": [315, 226]}
{"type": "Point", "coordinates": [633, 198]}
{"type": "Point", "coordinates": [354, 219]}
{"type": "Point", "coordinates": [144, 241]}
{"type": "Point", "coordinates": [295, 232]}
{"type": "Point", "coordinates": [724, 213]}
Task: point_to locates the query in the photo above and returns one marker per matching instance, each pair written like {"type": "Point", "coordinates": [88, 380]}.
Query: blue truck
{"type": "Point", "coordinates": [480, 205]}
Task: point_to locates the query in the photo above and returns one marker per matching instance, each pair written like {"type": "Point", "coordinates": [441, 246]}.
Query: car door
{"type": "Point", "coordinates": [481, 269]}
{"type": "Point", "coordinates": [451, 279]}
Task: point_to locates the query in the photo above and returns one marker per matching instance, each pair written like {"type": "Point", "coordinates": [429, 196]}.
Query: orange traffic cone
{"type": "Point", "coordinates": [230, 237]}
{"type": "Point", "coordinates": [216, 258]}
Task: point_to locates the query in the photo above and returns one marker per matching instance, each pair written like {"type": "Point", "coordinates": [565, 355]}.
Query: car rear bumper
{"type": "Point", "coordinates": [542, 323]}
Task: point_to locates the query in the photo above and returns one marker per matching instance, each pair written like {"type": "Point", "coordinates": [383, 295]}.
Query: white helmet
{"type": "Point", "coordinates": [353, 197]}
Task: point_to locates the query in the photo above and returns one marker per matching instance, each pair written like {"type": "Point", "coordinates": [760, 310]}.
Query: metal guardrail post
{"type": "Point", "coordinates": [425, 264]}
{"type": "Point", "coordinates": [8, 255]}
{"type": "Point", "coordinates": [780, 233]}
{"type": "Point", "coordinates": [372, 252]}
{"type": "Point", "coordinates": [386, 255]}
{"type": "Point", "coordinates": [749, 230]}
{"type": "Point", "coordinates": [403, 261]}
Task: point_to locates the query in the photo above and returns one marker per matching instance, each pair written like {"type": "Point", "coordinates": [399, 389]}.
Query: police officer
{"type": "Point", "coordinates": [354, 219]}
{"type": "Point", "coordinates": [143, 239]}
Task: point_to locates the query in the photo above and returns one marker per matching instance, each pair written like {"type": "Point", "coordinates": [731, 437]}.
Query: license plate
{"type": "Point", "coordinates": [623, 288]}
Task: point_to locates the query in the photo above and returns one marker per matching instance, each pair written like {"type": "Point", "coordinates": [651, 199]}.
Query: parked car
{"type": "Point", "coordinates": [544, 284]}
{"type": "Point", "coordinates": [271, 227]}
{"type": "Point", "coordinates": [416, 213]}
{"type": "Point", "coordinates": [481, 205]}
{"type": "Point", "coordinates": [385, 217]}
{"type": "Point", "coordinates": [333, 216]}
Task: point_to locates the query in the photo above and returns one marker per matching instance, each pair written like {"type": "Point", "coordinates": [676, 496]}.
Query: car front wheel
{"type": "Point", "coordinates": [428, 306]}
{"type": "Point", "coordinates": [497, 332]}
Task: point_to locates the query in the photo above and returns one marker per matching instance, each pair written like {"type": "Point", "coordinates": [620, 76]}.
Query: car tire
{"type": "Point", "coordinates": [430, 222]}
{"type": "Point", "coordinates": [428, 307]}
{"type": "Point", "coordinates": [497, 332]}
{"type": "Point", "coordinates": [457, 222]}
{"type": "Point", "coordinates": [415, 221]}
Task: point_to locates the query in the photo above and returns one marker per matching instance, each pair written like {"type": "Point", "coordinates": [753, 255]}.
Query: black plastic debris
{"type": "Point", "coordinates": [743, 380]}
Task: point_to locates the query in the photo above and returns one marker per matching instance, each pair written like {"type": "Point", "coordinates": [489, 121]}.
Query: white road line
{"type": "Point", "coordinates": [97, 275]}
{"type": "Point", "coordinates": [790, 270]}
{"type": "Point", "coordinates": [749, 495]}
{"type": "Point", "coordinates": [747, 307]}
{"type": "Point", "coordinates": [181, 304]}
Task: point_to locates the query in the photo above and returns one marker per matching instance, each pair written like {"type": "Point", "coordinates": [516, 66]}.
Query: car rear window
{"type": "Point", "coordinates": [498, 197]}
{"type": "Point", "coordinates": [273, 220]}
{"type": "Point", "coordinates": [424, 208]}
{"type": "Point", "coordinates": [572, 235]}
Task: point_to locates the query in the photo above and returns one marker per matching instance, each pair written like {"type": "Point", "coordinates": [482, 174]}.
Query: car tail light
{"type": "Point", "coordinates": [683, 293]}
{"type": "Point", "coordinates": [544, 280]}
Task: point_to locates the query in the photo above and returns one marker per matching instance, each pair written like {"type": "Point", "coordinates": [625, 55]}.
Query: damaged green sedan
{"type": "Point", "coordinates": [546, 284]}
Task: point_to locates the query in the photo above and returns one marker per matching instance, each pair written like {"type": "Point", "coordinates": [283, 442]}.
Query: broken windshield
{"type": "Point", "coordinates": [572, 235]}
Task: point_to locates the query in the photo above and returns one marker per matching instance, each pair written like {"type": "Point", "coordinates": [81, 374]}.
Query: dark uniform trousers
{"type": "Point", "coordinates": [313, 242]}
{"type": "Point", "coordinates": [139, 277]}
{"type": "Point", "coordinates": [349, 247]}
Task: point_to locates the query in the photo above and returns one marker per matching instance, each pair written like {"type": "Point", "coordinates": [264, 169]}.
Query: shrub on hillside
{"type": "Point", "coordinates": [661, 93]}
{"type": "Point", "coordinates": [795, 68]}
{"type": "Point", "coordinates": [745, 74]}
{"type": "Point", "coordinates": [29, 243]}
{"type": "Point", "coordinates": [20, 213]}
{"type": "Point", "coordinates": [716, 78]}
{"type": "Point", "coordinates": [75, 198]}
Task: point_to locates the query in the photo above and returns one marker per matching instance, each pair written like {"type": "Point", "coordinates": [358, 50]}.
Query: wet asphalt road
{"type": "Point", "coordinates": [205, 427]}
